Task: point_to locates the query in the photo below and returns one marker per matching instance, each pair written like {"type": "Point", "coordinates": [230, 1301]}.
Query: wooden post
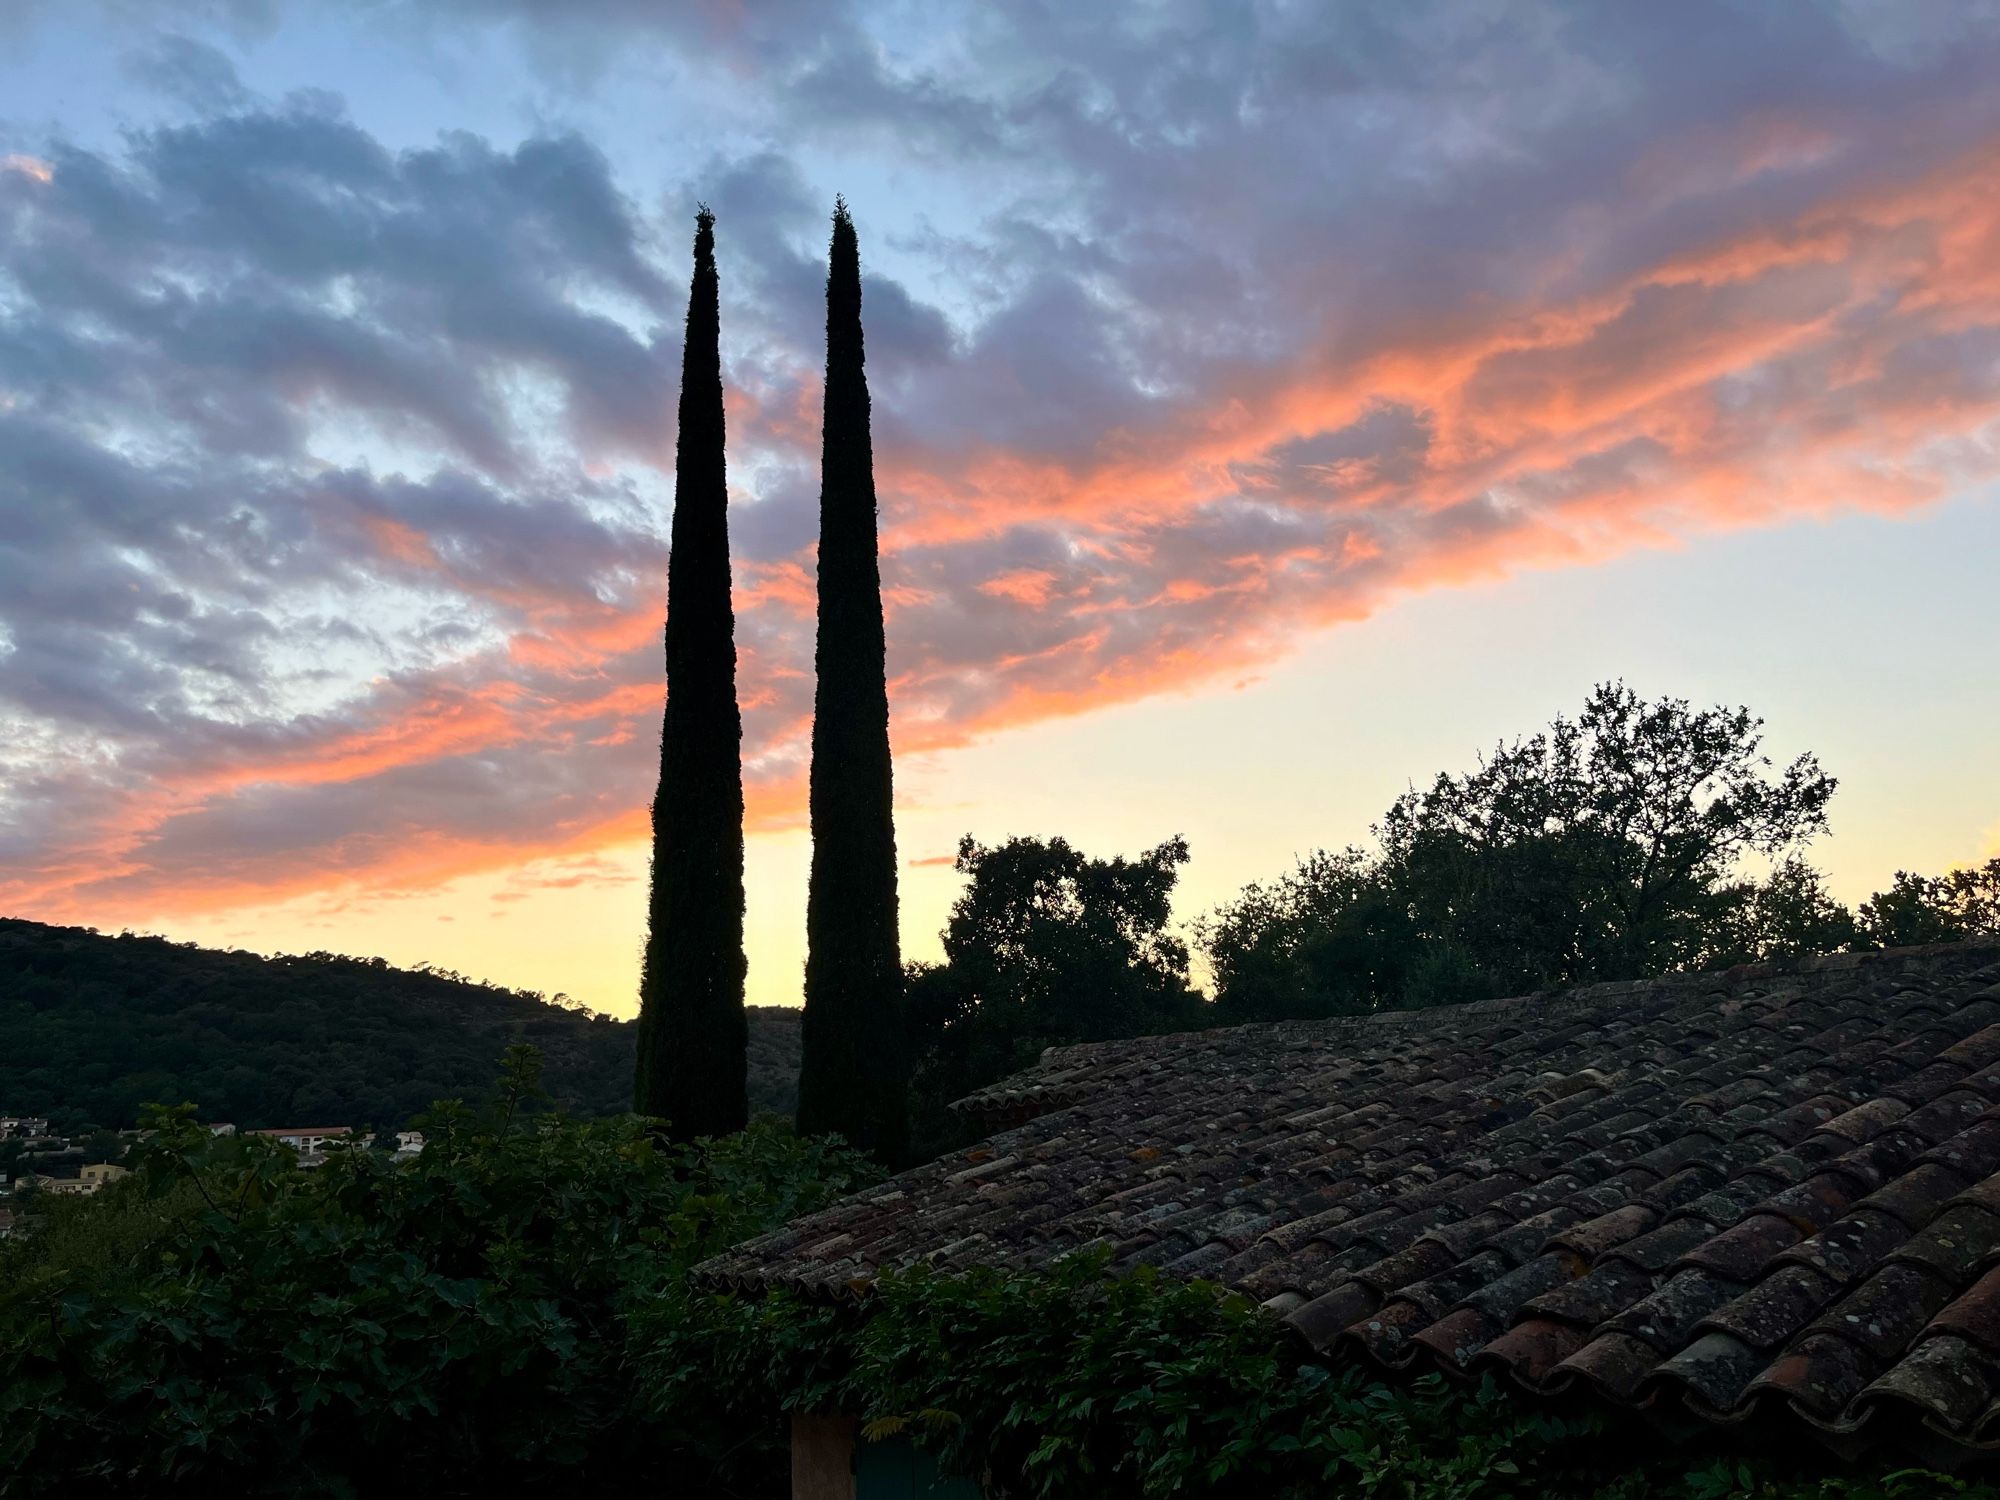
{"type": "Point", "coordinates": [822, 1457]}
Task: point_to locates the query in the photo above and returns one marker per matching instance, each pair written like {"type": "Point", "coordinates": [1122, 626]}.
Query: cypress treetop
{"type": "Point", "coordinates": [693, 1035]}
{"type": "Point", "coordinates": [852, 1068]}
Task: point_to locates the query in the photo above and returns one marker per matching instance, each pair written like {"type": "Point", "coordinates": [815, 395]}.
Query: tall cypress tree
{"type": "Point", "coordinates": [693, 1034]}
{"type": "Point", "coordinates": [851, 1075]}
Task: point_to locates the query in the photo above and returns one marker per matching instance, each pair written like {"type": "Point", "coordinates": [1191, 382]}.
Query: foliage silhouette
{"type": "Point", "coordinates": [1607, 847]}
{"type": "Point", "coordinates": [1072, 1382]}
{"type": "Point", "coordinates": [1946, 908]}
{"type": "Point", "coordinates": [1045, 946]}
{"type": "Point", "coordinates": [693, 1035]}
{"type": "Point", "coordinates": [852, 1070]}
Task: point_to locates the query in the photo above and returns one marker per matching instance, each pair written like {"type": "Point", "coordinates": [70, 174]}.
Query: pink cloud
{"type": "Point", "coordinates": [1840, 354]}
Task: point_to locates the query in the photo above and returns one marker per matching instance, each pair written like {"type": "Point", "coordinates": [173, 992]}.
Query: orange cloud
{"type": "Point", "coordinates": [1785, 370]}
{"type": "Point", "coordinates": [1030, 586]}
{"type": "Point", "coordinates": [1533, 386]}
{"type": "Point", "coordinates": [28, 166]}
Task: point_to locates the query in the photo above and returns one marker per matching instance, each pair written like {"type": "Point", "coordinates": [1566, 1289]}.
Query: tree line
{"type": "Point", "coordinates": [1639, 838]}
{"type": "Point", "coordinates": [1636, 839]}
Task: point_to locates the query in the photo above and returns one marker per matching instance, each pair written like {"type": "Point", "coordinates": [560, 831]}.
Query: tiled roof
{"type": "Point", "coordinates": [1772, 1188]}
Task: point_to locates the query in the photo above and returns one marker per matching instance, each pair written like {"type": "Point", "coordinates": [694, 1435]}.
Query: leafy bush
{"type": "Point", "coordinates": [1077, 1383]}
{"type": "Point", "coordinates": [94, 1236]}
{"type": "Point", "coordinates": [446, 1326]}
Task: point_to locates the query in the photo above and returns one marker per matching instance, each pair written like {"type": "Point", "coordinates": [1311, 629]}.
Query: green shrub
{"type": "Point", "coordinates": [451, 1325]}
{"type": "Point", "coordinates": [98, 1235]}
{"type": "Point", "coordinates": [1077, 1383]}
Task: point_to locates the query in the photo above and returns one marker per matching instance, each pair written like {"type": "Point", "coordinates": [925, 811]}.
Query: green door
{"type": "Point", "coordinates": [899, 1470]}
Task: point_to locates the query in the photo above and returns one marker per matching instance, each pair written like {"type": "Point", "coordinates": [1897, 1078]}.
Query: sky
{"type": "Point", "coordinates": [1275, 404]}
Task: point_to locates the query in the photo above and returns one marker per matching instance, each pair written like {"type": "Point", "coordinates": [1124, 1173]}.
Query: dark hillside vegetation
{"type": "Point", "coordinates": [93, 1026]}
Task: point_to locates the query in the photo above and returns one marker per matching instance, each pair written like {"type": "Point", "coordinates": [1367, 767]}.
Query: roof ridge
{"type": "Point", "coordinates": [1578, 1000]}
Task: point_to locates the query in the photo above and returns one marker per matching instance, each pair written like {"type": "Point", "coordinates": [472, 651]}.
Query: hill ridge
{"type": "Point", "coordinates": [93, 1025]}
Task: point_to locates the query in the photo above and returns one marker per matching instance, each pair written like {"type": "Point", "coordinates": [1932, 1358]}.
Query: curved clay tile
{"type": "Point", "coordinates": [1767, 1195]}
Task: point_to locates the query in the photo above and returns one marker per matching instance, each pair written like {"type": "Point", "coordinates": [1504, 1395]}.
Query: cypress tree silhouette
{"type": "Point", "coordinates": [693, 1035]}
{"type": "Point", "coordinates": [851, 1072]}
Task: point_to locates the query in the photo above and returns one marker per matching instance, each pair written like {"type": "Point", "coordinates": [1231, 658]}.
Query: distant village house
{"type": "Point", "coordinates": [90, 1178]}
{"type": "Point", "coordinates": [310, 1141]}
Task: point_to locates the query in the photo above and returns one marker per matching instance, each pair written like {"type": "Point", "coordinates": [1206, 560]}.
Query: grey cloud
{"type": "Point", "coordinates": [189, 71]}
{"type": "Point", "coordinates": [231, 247]}
{"type": "Point", "coordinates": [783, 521]}
{"type": "Point", "coordinates": [904, 335]}
{"type": "Point", "coordinates": [1048, 374]}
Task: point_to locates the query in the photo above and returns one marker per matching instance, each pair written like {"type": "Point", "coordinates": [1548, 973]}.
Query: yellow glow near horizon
{"type": "Point", "coordinates": [1310, 753]}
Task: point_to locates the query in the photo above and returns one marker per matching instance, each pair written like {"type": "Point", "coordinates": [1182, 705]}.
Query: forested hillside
{"type": "Point", "coordinates": [94, 1026]}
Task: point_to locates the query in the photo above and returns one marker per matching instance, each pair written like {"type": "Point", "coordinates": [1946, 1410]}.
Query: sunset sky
{"type": "Point", "coordinates": [1274, 404]}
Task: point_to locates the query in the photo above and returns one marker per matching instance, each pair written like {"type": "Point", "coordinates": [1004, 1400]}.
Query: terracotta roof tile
{"type": "Point", "coordinates": [1460, 1335]}
{"type": "Point", "coordinates": [1667, 1317]}
{"type": "Point", "coordinates": [1603, 1291]}
{"type": "Point", "coordinates": [1770, 1191]}
{"type": "Point", "coordinates": [1916, 1196]}
{"type": "Point", "coordinates": [1613, 1363]}
{"type": "Point", "coordinates": [1607, 1231]}
{"type": "Point", "coordinates": [1531, 1350]}
{"type": "Point", "coordinates": [1738, 1253]}
{"type": "Point", "coordinates": [1975, 1315]}
{"type": "Point", "coordinates": [1713, 1372]}
{"type": "Point", "coordinates": [1769, 1313]}
{"type": "Point", "coordinates": [1818, 1375]}
{"type": "Point", "coordinates": [1659, 1248]}
{"type": "Point", "coordinates": [1849, 1246]}
{"type": "Point", "coordinates": [1944, 1379]}
{"type": "Point", "coordinates": [1885, 1313]}
{"type": "Point", "coordinates": [1959, 1242]}
{"type": "Point", "coordinates": [1385, 1334]}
